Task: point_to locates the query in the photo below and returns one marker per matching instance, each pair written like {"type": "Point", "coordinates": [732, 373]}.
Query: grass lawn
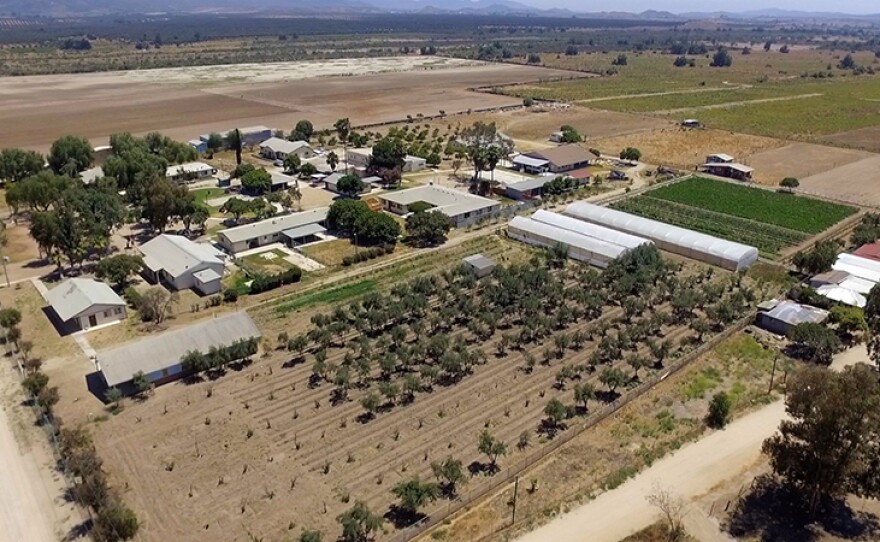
{"type": "Point", "coordinates": [329, 253]}
{"type": "Point", "coordinates": [268, 266]}
{"type": "Point", "coordinates": [785, 210]}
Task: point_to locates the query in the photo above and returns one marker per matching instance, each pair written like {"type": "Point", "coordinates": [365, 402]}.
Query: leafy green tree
{"type": "Point", "coordinates": [621, 60]}
{"type": "Point", "coordinates": [141, 383]}
{"type": "Point", "coordinates": [583, 394]}
{"type": "Point", "coordinates": [215, 142]}
{"type": "Point", "coordinates": [307, 170]}
{"type": "Point", "coordinates": [849, 320]}
{"type": "Point", "coordinates": [344, 213]}
{"type": "Point", "coordinates": [415, 494]}
{"type": "Point", "coordinates": [292, 163]}
{"type": "Point", "coordinates": [310, 536]}
{"type": "Point", "coordinates": [70, 155]}
{"type": "Point", "coordinates": [631, 153]}
{"type": "Point", "coordinates": [680, 61]}
{"type": "Point", "coordinates": [427, 228]}
{"type": "Point", "coordinates": [113, 395]}
{"type": "Point", "coordinates": [613, 378]}
{"type": "Point", "coordinates": [719, 410]}
{"type": "Point", "coordinates": [332, 160]}
{"type": "Point", "coordinates": [35, 383]}
{"type": "Point", "coordinates": [17, 164]}
{"type": "Point", "coordinates": [258, 181]}
{"type": "Point", "coordinates": [359, 523]}
{"type": "Point", "coordinates": [237, 207]}
{"type": "Point", "coordinates": [241, 170]}
{"type": "Point", "coordinates": [556, 413]}
{"type": "Point", "coordinates": [570, 134]}
{"type": "Point", "coordinates": [10, 317]}
{"type": "Point", "coordinates": [164, 202]}
{"type": "Point", "coordinates": [847, 62]}
{"type": "Point", "coordinates": [376, 228]}
{"type": "Point", "coordinates": [818, 259]}
{"type": "Point", "coordinates": [492, 448]}
{"type": "Point", "coordinates": [789, 183]}
{"type": "Point", "coordinates": [371, 403]}
{"type": "Point", "coordinates": [39, 192]}
{"type": "Point", "coordinates": [387, 160]}
{"type": "Point", "coordinates": [450, 473]}
{"type": "Point", "coordinates": [117, 269]}
{"type": "Point", "coordinates": [814, 342]}
{"type": "Point", "coordinates": [303, 131]}
{"type": "Point", "coordinates": [721, 58]}
{"type": "Point", "coordinates": [236, 143]}
{"type": "Point", "coordinates": [350, 185]}
{"type": "Point", "coordinates": [830, 445]}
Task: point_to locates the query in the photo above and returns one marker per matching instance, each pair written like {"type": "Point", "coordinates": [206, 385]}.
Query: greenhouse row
{"type": "Point", "coordinates": [583, 243]}
{"type": "Point", "coordinates": [688, 243]}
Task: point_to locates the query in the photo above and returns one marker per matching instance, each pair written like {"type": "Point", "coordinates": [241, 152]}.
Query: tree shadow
{"type": "Point", "coordinates": [80, 531]}
{"type": "Point", "coordinates": [550, 429]}
{"type": "Point", "coordinates": [293, 362]}
{"type": "Point", "coordinates": [402, 517]}
{"type": "Point", "coordinates": [773, 512]}
{"type": "Point", "coordinates": [478, 467]}
{"type": "Point", "coordinates": [607, 396]}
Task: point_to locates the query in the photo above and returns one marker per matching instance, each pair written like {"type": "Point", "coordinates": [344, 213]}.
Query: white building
{"type": "Point", "coordinates": [189, 172]}
{"type": "Point", "coordinates": [276, 148]}
{"type": "Point", "coordinates": [580, 247]}
{"type": "Point", "coordinates": [85, 303]}
{"type": "Point", "coordinates": [462, 208]}
{"type": "Point", "coordinates": [360, 158]}
{"type": "Point", "coordinates": [272, 230]}
{"type": "Point", "coordinates": [182, 264]}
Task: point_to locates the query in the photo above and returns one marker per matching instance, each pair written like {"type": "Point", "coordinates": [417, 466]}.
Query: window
{"type": "Point", "coordinates": [117, 310]}
{"type": "Point", "coordinates": [106, 314]}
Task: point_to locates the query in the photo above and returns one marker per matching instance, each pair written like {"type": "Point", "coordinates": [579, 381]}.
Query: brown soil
{"type": "Point", "coordinates": [43, 108]}
{"type": "Point", "coordinates": [800, 160]}
{"type": "Point", "coordinates": [687, 148]}
{"type": "Point", "coordinates": [863, 138]}
{"type": "Point", "coordinates": [857, 182]}
{"type": "Point", "coordinates": [20, 246]}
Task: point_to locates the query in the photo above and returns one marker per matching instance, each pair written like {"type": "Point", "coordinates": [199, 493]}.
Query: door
{"type": "Point", "coordinates": [93, 320]}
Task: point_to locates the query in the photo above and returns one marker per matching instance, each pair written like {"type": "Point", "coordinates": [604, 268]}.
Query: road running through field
{"type": "Point", "coordinates": [25, 504]}
{"type": "Point", "coordinates": [688, 473]}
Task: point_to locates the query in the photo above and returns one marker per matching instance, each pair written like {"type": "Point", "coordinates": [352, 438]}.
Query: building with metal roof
{"type": "Point", "coordinates": [688, 243]}
{"type": "Point", "coordinates": [564, 157]}
{"type": "Point", "coordinates": [180, 263]}
{"type": "Point", "coordinates": [580, 247]}
{"type": "Point", "coordinates": [81, 303]}
{"type": "Point", "coordinates": [480, 265]}
{"type": "Point", "coordinates": [462, 208]}
{"type": "Point", "coordinates": [730, 170]}
{"type": "Point", "coordinates": [265, 232]}
{"type": "Point", "coordinates": [189, 172]}
{"type": "Point", "coordinates": [530, 164]}
{"type": "Point", "coordinates": [870, 251]}
{"type": "Point", "coordinates": [787, 314]}
{"type": "Point", "coordinates": [276, 148]}
{"type": "Point", "coordinates": [159, 356]}
{"type": "Point", "coordinates": [719, 158]}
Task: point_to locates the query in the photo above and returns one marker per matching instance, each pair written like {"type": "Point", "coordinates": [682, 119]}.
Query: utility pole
{"type": "Point", "coordinates": [773, 373]}
{"type": "Point", "coordinates": [5, 272]}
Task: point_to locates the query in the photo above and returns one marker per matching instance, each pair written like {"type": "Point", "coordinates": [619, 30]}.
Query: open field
{"type": "Point", "coordinates": [97, 105]}
{"type": "Point", "coordinates": [765, 219]}
{"type": "Point", "coordinates": [263, 452]}
{"type": "Point", "coordinates": [798, 160]}
{"type": "Point", "coordinates": [684, 148]}
{"type": "Point", "coordinates": [857, 182]}
{"type": "Point", "coordinates": [861, 138]}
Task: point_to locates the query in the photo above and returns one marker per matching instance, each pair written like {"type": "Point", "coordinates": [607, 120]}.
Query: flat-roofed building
{"type": "Point", "coordinates": [189, 172]}
{"type": "Point", "coordinates": [266, 232]}
{"type": "Point", "coordinates": [461, 208]}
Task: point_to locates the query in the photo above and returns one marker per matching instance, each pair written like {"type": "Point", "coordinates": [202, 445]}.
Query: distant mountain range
{"type": "Point", "coordinates": [66, 8]}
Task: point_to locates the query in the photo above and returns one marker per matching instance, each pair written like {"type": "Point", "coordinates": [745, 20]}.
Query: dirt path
{"type": "Point", "coordinates": [25, 501]}
{"type": "Point", "coordinates": [735, 104]}
{"type": "Point", "coordinates": [664, 93]}
{"type": "Point", "coordinates": [689, 473]}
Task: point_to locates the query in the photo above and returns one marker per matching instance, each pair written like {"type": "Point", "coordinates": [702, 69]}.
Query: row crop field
{"type": "Point", "coordinates": [768, 239]}
{"type": "Point", "coordinates": [784, 210]}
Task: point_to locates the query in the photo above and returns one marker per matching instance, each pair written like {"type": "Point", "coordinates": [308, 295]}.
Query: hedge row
{"type": "Point", "coordinates": [367, 254]}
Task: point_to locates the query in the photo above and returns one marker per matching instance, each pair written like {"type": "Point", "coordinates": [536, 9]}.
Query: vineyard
{"type": "Point", "coordinates": [401, 387]}
{"type": "Point", "coordinates": [767, 238]}
{"type": "Point", "coordinates": [797, 213]}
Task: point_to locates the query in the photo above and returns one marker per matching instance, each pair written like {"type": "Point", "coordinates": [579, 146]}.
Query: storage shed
{"type": "Point", "coordinates": [688, 243]}
{"type": "Point", "coordinates": [580, 247]}
{"type": "Point", "coordinates": [480, 265]}
{"type": "Point", "coordinates": [787, 314]}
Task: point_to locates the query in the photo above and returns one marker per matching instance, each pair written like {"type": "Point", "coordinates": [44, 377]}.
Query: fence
{"type": "Point", "coordinates": [442, 512]}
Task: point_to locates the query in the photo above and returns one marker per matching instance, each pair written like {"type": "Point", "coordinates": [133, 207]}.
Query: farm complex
{"type": "Point", "coordinates": [343, 281]}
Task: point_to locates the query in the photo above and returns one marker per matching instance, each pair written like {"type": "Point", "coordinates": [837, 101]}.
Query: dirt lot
{"type": "Point", "coordinates": [687, 148]}
{"type": "Point", "coordinates": [863, 138]}
{"type": "Point", "coordinates": [800, 160]}
{"type": "Point", "coordinates": [857, 182]}
{"type": "Point", "coordinates": [43, 108]}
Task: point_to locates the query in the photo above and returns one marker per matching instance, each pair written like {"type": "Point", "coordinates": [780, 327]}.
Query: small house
{"type": "Point", "coordinates": [556, 137]}
{"type": "Point", "coordinates": [563, 158]}
{"type": "Point", "coordinates": [190, 172]}
{"type": "Point", "coordinates": [787, 314]}
{"type": "Point", "coordinates": [81, 304]}
{"type": "Point", "coordinates": [730, 170]}
{"type": "Point", "coordinates": [182, 264]}
{"type": "Point", "coordinates": [530, 164]}
{"type": "Point", "coordinates": [276, 148]}
{"type": "Point", "coordinates": [266, 232]}
{"type": "Point", "coordinates": [719, 158]}
{"type": "Point", "coordinates": [200, 146]}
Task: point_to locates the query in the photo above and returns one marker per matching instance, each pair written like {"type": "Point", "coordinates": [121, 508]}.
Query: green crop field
{"type": "Point", "coordinates": [797, 213]}
{"type": "Point", "coordinates": [761, 218]}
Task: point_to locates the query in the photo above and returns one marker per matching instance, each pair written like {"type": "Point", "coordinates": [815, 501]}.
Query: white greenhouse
{"type": "Point", "coordinates": [590, 230]}
{"type": "Point", "coordinates": [688, 243]}
{"type": "Point", "coordinates": [580, 247]}
{"type": "Point", "coordinates": [858, 267]}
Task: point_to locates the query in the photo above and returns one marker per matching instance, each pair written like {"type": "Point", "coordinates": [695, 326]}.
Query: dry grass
{"type": "Point", "coordinates": [20, 246]}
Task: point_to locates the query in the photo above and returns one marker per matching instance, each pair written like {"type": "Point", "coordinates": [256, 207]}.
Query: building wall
{"type": "Point", "coordinates": [357, 159]}
{"type": "Point", "coordinates": [104, 314]}
{"type": "Point", "coordinates": [571, 167]}
{"type": "Point", "coordinates": [466, 219]}
{"type": "Point", "coordinates": [208, 288]}
{"type": "Point", "coordinates": [188, 280]}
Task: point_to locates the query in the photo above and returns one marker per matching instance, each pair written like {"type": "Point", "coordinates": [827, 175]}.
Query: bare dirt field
{"type": "Point", "coordinates": [857, 182]}
{"type": "Point", "coordinates": [43, 108]}
{"type": "Point", "coordinates": [800, 160]}
{"type": "Point", "coordinates": [863, 138]}
{"type": "Point", "coordinates": [687, 148]}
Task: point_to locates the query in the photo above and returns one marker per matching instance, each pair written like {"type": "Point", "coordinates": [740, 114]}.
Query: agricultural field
{"type": "Point", "coordinates": [375, 390]}
{"type": "Point", "coordinates": [800, 160]}
{"type": "Point", "coordinates": [765, 219]}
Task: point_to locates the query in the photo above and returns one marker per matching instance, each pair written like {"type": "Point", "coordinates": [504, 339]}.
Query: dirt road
{"type": "Point", "coordinates": [689, 473]}
{"type": "Point", "coordinates": [24, 501]}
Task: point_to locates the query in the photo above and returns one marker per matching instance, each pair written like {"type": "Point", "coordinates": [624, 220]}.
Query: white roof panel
{"type": "Point", "coordinates": [548, 236]}
{"type": "Point", "coordinates": [688, 240]}
{"type": "Point", "coordinates": [74, 296]}
{"type": "Point", "coordinates": [176, 254]}
{"type": "Point", "coordinates": [590, 230]}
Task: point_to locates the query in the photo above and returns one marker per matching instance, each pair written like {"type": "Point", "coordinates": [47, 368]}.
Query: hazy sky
{"type": "Point", "coordinates": [678, 6]}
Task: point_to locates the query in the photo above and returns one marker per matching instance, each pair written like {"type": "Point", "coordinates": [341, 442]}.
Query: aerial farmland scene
{"type": "Point", "coordinates": [467, 271]}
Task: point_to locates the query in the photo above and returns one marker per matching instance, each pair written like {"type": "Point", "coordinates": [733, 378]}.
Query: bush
{"type": "Point", "coordinates": [719, 411]}
{"type": "Point", "coordinates": [264, 283]}
{"type": "Point", "coordinates": [132, 297]}
{"type": "Point", "coordinates": [230, 295]}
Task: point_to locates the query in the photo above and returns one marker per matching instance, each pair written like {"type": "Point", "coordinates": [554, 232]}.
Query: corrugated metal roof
{"type": "Point", "coordinates": [530, 184]}
{"type": "Point", "coordinates": [447, 201]}
{"type": "Point", "coordinates": [177, 254]}
{"type": "Point", "coordinates": [165, 350]}
{"type": "Point", "coordinates": [274, 225]}
{"type": "Point", "coordinates": [525, 160]}
{"type": "Point", "coordinates": [721, 157]}
{"type": "Point", "coordinates": [303, 231]}
{"type": "Point", "coordinates": [73, 296]}
{"type": "Point", "coordinates": [564, 155]}
{"type": "Point", "coordinates": [870, 251]}
{"type": "Point", "coordinates": [189, 167]}
{"type": "Point", "coordinates": [738, 254]}
{"type": "Point", "coordinates": [276, 144]}
{"type": "Point", "coordinates": [590, 230]}
{"type": "Point", "coordinates": [794, 313]}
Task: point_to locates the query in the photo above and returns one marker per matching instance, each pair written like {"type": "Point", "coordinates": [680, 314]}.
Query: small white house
{"type": "Point", "coordinates": [189, 172]}
{"type": "Point", "coordinates": [276, 148]}
{"type": "Point", "coordinates": [85, 303]}
{"type": "Point", "coordinates": [182, 264]}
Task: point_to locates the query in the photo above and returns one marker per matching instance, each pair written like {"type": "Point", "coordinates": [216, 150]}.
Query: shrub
{"type": "Point", "coordinates": [230, 295]}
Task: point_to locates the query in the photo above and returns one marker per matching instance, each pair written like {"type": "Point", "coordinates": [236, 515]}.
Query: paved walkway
{"type": "Point", "coordinates": [689, 473]}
